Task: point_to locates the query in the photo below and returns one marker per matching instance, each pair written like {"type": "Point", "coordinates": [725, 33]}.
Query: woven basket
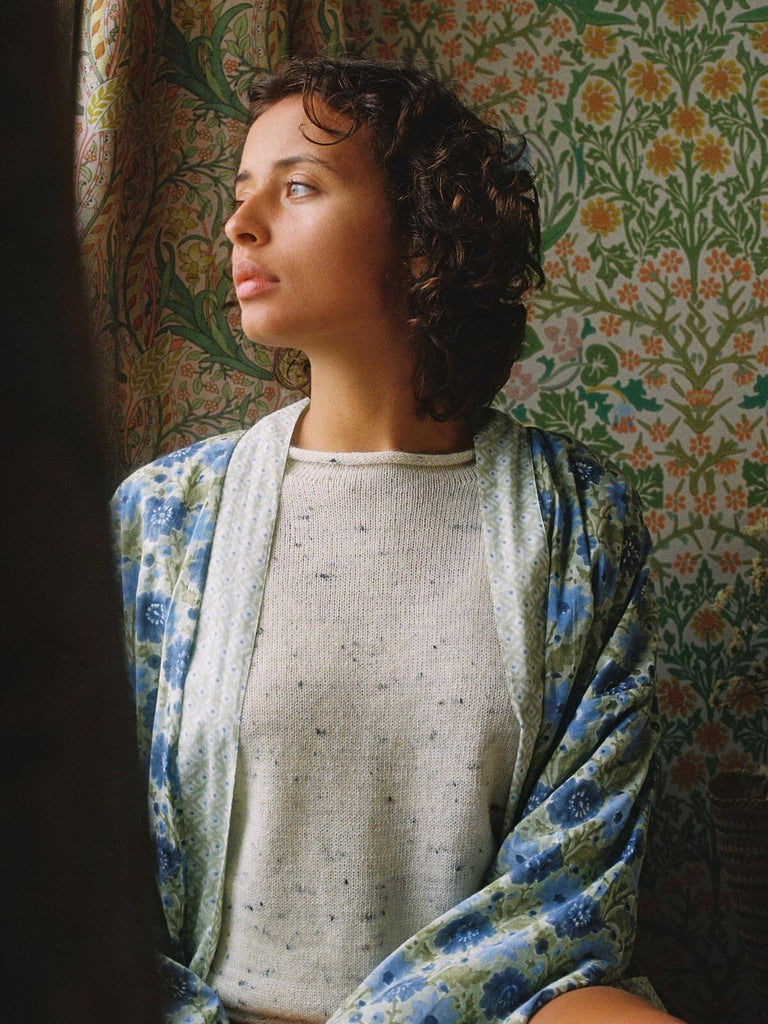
{"type": "Point", "coordinates": [740, 810]}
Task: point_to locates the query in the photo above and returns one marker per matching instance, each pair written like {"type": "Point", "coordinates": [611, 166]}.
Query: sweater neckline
{"type": "Point", "coordinates": [382, 458]}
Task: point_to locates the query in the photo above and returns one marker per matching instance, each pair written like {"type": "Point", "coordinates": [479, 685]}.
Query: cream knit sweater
{"type": "Point", "coordinates": [377, 739]}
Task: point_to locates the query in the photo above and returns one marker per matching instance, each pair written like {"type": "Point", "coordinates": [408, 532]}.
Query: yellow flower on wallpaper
{"type": "Point", "coordinates": [179, 222]}
{"type": "Point", "coordinates": [597, 101]}
{"type": "Point", "coordinates": [761, 98]}
{"type": "Point", "coordinates": [195, 261]}
{"type": "Point", "coordinates": [664, 155]}
{"type": "Point", "coordinates": [712, 153]}
{"type": "Point", "coordinates": [687, 121]}
{"type": "Point", "coordinates": [598, 42]}
{"type": "Point", "coordinates": [682, 12]}
{"type": "Point", "coordinates": [722, 79]}
{"type": "Point", "coordinates": [191, 11]}
{"type": "Point", "coordinates": [759, 37]}
{"type": "Point", "coordinates": [601, 216]}
{"type": "Point", "coordinates": [648, 81]}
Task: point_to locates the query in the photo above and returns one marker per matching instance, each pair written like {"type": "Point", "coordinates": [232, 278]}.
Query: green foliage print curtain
{"type": "Point", "coordinates": [161, 121]}
{"type": "Point", "coordinates": [647, 124]}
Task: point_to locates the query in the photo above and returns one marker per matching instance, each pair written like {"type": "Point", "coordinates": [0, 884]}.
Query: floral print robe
{"type": "Point", "coordinates": [566, 551]}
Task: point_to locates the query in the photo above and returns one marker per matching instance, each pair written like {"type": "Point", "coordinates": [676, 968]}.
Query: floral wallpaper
{"type": "Point", "coordinates": [647, 125]}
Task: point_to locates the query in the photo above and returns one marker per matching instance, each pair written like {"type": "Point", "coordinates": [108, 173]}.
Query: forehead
{"type": "Point", "coordinates": [284, 130]}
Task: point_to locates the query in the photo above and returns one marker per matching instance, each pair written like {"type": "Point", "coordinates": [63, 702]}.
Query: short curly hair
{"type": "Point", "coordinates": [466, 207]}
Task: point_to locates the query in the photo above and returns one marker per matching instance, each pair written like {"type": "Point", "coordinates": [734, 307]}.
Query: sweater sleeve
{"type": "Point", "coordinates": [559, 908]}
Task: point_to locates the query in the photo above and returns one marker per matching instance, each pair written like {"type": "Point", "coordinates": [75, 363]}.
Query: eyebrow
{"type": "Point", "coordinates": [288, 161]}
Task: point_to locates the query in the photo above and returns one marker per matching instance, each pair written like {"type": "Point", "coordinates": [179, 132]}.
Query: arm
{"type": "Point", "coordinates": [599, 1005]}
{"type": "Point", "coordinates": [162, 530]}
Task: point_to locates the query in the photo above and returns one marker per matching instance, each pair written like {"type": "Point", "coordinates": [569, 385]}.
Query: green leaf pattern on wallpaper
{"type": "Point", "coordinates": [647, 125]}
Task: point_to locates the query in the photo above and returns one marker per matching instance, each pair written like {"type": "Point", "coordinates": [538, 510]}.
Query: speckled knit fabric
{"type": "Point", "coordinates": [376, 679]}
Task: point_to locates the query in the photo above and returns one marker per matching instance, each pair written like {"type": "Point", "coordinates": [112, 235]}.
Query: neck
{"type": "Point", "coordinates": [371, 408]}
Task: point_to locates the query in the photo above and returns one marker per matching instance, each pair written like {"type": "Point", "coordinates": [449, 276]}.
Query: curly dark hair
{"type": "Point", "coordinates": [467, 209]}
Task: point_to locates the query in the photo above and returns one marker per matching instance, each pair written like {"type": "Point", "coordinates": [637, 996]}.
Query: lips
{"type": "Point", "coordinates": [252, 279]}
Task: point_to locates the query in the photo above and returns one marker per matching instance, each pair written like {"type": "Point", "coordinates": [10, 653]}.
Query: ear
{"type": "Point", "coordinates": [417, 265]}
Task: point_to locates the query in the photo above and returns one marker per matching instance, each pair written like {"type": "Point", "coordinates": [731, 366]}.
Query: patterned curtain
{"type": "Point", "coordinates": [647, 124]}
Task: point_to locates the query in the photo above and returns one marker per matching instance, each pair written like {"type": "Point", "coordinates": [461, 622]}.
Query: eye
{"type": "Point", "coordinates": [294, 189]}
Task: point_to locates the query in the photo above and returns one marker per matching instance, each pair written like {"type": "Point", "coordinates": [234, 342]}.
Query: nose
{"type": "Point", "coordinates": [247, 225]}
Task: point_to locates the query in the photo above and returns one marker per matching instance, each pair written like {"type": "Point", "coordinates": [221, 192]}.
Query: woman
{"type": "Point", "coordinates": [392, 651]}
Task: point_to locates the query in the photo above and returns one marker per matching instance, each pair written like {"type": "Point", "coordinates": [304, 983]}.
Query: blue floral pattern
{"type": "Point", "coordinates": [567, 554]}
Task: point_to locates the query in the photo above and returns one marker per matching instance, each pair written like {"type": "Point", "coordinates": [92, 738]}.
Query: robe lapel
{"type": "Point", "coordinates": [215, 683]}
{"type": "Point", "coordinates": [518, 564]}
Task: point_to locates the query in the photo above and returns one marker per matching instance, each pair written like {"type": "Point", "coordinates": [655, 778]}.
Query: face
{"type": "Point", "coordinates": [316, 260]}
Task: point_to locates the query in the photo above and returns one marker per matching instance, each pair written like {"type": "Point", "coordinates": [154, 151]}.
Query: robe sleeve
{"type": "Point", "coordinates": [162, 528]}
{"type": "Point", "coordinates": [559, 909]}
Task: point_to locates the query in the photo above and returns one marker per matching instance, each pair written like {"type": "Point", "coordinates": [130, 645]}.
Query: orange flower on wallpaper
{"type": "Point", "coordinates": [718, 260]}
{"type": "Point", "coordinates": [730, 561]}
{"type": "Point", "coordinates": [682, 12]}
{"type": "Point", "coordinates": [647, 271]}
{"type": "Point", "coordinates": [676, 698]}
{"type": "Point", "coordinates": [736, 500]}
{"type": "Point", "coordinates": [741, 270]}
{"type": "Point", "coordinates": [550, 63]}
{"type": "Point", "coordinates": [678, 468]}
{"type": "Point", "coordinates": [687, 121]}
{"type": "Point", "coordinates": [640, 457]}
{"type": "Point", "coordinates": [523, 60]}
{"type": "Point", "coordinates": [648, 81]}
{"type": "Point", "coordinates": [712, 153]}
{"type": "Point", "coordinates": [598, 42]}
{"type": "Point", "coordinates": [597, 101]}
{"type": "Point", "coordinates": [628, 360]}
{"type": "Point", "coordinates": [681, 287]}
{"type": "Point", "coordinates": [759, 37]}
{"type": "Point", "coordinates": [743, 429]}
{"type": "Point", "coordinates": [601, 216]}
{"type": "Point", "coordinates": [675, 502]}
{"type": "Point", "coordinates": [656, 522]}
{"type": "Point", "coordinates": [561, 27]}
{"type": "Point", "coordinates": [664, 155]}
{"type": "Point", "coordinates": [685, 563]}
{"type": "Point", "coordinates": [628, 294]}
{"type": "Point", "coordinates": [704, 504]}
{"type": "Point", "coordinates": [743, 342]}
{"type": "Point", "coordinates": [671, 260]}
{"type": "Point", "coordinates": [711, 737]}
{"type": "Point", "coordinates": [710, 287]}
{"type": "Point", "coordinates": [743, 377]}
{"type": "Point", "coordinates": [699, 397]}
{"type": "Point", "coordinates": [653, 345]}
{"type": "Point", "coordinates": [581, 264]}
{"type": "Point", "coordinates": [722, 79]}
{"type": "Point", "coordinates": [700, 444]}
{"type": "Point", "coordinates": [610, 325]}
{"type": "Point", "coordinates": [659, 432]}
{"type": "Point", "coordinates": [688, 770]}
{"type": "Point", "coordinates": [761, 97]}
